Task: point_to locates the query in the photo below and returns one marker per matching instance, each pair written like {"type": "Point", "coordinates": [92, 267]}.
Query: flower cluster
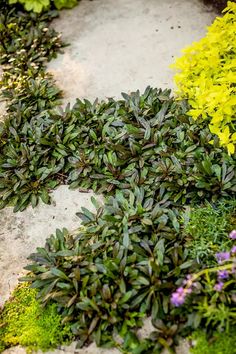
{"type": "Point", "coordinates": [223, 272]}
{"type": "Point", "coordinates": [222, 257]}
{"type": "Point", "coordinates": [179, 296]}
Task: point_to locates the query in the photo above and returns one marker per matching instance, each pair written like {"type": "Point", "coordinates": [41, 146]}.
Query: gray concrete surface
{"type": "Point", "coordinates": [93, 349]}
{"type": "Point", "coordinates": [21, 233]}
{"type": "Point", "coordinates": [2, 103]}
{"type": "Point", "coordinates": [124, 45]}
{"type": "Point", "coordinates": [116, 45]}
{"type": "Point", "coordinates": [2, 111]}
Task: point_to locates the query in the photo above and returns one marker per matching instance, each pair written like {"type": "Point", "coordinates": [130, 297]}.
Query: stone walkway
{"type": "Point", "coordinates": [124, 45]}
{"type": "Point", "coordinates": [116, 45]}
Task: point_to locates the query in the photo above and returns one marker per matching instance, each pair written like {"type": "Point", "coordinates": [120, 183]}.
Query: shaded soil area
{"type": "Point", "coordinates": [218, 5]}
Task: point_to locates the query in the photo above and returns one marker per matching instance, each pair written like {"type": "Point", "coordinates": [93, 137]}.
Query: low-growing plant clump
{"type": "Point", "coordinates": [122, 265]}
{"type": "Point", "coordinates": [144, 140]}
{"type": "Point", "coordinates": [118, 148]}
{"type": "Point", "coordinates": [153, 163]}
{"type": "Point", "coordinates": [115, 270]}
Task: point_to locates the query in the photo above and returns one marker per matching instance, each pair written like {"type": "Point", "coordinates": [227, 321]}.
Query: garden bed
{"type": "Point", "coordinates": [145, 152]}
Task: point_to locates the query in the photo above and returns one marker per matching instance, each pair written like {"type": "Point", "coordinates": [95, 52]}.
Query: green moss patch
{"type": "Point", "coordinates": [23, 321]}
{"type": "Point", "coordinates": [219, 343]}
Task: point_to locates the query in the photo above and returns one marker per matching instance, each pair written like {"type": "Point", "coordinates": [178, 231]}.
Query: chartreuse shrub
{"type": "Point", "coordinates": [42, 5]}
{"type": "Point", "coordinates": [206, 78]}
{"type": "Point", "coordinates": [207, 229]}
{"type": "Point", "coordinates": [218, 343]}
{"type": "Point", "coordinates": [23, 321]}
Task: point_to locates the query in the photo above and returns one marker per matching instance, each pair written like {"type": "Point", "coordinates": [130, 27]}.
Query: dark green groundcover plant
{"type": "Point", "coordinates": [107, 276]}
{"type": "Point", "coordinates": [121, 266]}
{"type": "Point", "coordinates": [140, 140]}
{"type": "Point", "coordinates": [143, 140]}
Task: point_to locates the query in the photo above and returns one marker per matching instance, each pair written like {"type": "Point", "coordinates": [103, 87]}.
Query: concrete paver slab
{"type": "Point", "coordinates": [124, 45]}
{"type": "Point", "coordinates": [21, 233]}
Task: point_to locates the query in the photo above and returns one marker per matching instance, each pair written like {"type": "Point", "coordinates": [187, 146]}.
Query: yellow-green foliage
{"type": "Point", "coordinates": [220, 343]}
{"type": "Point", "coordinates": [25, 322]}
{"type": "Point", "coordinates": [207, 77]}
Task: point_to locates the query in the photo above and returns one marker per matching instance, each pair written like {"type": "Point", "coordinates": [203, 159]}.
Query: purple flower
{"type": "Point", "coordinates": [178, 297]}
{"type": "Point", "coordinates": [233, 249]}
{"type": "Point", "coordinates": [222, 256]}
{"type": "Point", "coordinates": [223, 274]}
{"type": "Point", "coordinates": [219, 286]}
{"type": "Point", "coordinates": [232, 235]}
